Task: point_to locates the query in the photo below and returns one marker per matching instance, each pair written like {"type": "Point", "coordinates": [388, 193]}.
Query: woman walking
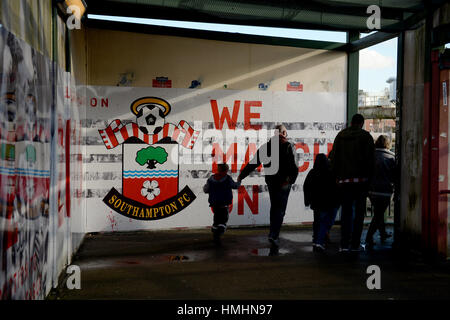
{"type": "Point", "coordinates": [381, 188]}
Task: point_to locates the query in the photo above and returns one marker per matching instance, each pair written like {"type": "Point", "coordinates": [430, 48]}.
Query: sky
{"type": "Point", "coordinates": [376, 65]}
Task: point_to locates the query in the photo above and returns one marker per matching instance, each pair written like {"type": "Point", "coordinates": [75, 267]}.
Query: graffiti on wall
{"type": "Point", "coordinates": [29, 222]}
{"type": "Point", "coordinates": [24, 169]}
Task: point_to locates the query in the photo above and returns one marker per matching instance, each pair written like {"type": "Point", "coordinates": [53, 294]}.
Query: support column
{"type": "Point", "coordinates": [427, 143]}
{"type": "Point", "coordinates": [398, 138]}
{"type": "Point", "coordinates": [67, 50]}
{"type": "Point", "coordinates": [352, 78]}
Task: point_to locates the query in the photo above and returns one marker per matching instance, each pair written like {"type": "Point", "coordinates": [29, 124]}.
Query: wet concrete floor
{"type": "Point", "coordinates": [186, 264]}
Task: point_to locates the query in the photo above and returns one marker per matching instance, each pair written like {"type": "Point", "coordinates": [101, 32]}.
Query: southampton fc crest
{"type": "Point", "coordinates": [150, 175]}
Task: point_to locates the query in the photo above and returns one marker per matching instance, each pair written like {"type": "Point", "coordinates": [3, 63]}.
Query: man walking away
{"type": "Point", "coordinates": [278, 181]}
{"type": "Point", "coordinates": [352, 162]}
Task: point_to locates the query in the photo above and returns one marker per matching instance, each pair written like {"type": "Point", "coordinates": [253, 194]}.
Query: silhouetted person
{"type": "Point", "coordinates": [320, 193]}
{"type": "Point", "coordinates": [352, 162]}
{"type": "Point", "coordinates": [279, 181]}
{"type": "Point", "coordinates": [381, 188]}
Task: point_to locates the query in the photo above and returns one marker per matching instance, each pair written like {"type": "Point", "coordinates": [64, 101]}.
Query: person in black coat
{"type": "Point", "coordinates": [280, 171]}
{"type": "Point", "coordinates": [381, 188]}
{"type": "Point", "coordinates": [352, 161]}
{"type": "Point", "coordinates": [321, 194]}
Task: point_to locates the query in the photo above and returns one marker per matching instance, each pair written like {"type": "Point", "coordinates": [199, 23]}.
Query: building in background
{"type": "Point", "coordinates": [378, 108]}
{"type": "Point", "coordinates": [392, 88]}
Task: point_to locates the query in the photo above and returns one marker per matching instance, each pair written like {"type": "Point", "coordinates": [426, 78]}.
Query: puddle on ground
{"type": "Point", "coordinates": [144, 260]}
{"type": "Point", "coordinates": [297, 236]}
{"type": "Point", "coordinates": [268, 252]}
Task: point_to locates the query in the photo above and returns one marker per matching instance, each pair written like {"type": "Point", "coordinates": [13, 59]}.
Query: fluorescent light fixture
{"type": "Point", "coordinates": [333, 36]}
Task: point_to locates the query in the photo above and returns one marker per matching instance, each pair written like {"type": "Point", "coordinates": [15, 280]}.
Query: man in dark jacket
{"type": "Point", "coordinates": [352, 162]}
{"type": "Point", "coordinates": [281, 171]}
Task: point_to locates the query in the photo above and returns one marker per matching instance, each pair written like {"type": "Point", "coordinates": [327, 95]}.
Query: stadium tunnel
{"type": "Point", "coordinates": [73, 90]}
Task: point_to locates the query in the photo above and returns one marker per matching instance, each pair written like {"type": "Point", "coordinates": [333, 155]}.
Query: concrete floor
{"type": "Point", "coordinates": [185, 264]}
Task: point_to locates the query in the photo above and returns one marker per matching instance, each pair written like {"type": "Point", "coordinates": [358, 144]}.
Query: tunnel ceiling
{"type": "Point", "coordinates": [335, 15]}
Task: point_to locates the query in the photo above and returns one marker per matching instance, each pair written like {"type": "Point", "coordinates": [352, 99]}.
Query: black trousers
{"type": "Point", "coordinates": [353, 197]}
{"type": "Point", "coordinates": [220, 218]}
{"type": "Point", "coordinates": [379, 204]}
{"type": "Point", "coordinates": [278, 203]}
{"type": "Point", "coordinates": [316, 225]}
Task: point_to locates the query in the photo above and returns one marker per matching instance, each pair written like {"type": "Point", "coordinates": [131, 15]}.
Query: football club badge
{"type": "Point", "coordinates": [150, 176]}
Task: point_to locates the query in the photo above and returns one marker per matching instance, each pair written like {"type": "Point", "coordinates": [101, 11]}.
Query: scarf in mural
{"type": "Point", "coordinates": [117, 133]}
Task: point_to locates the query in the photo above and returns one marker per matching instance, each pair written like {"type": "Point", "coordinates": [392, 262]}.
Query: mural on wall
{"type": "Point", "coordinates": [150, 161]}
{"type": "Point", "coordinates": [35, 136]}
{"type": "Point", "coordinates": [130, 168]}
{"type": "Point", "coordinates": [25, 102]}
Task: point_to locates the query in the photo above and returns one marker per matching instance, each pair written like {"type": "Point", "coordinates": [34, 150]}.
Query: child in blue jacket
{"type": "Point", "coordinates": [219, 186]}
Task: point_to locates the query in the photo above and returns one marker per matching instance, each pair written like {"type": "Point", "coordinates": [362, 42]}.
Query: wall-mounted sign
{"type": "Point", "coordinates": [162, 82]}
{"type": "Point", "coordinates": [294, 86]}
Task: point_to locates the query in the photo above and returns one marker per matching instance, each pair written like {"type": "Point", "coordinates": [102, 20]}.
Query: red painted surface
{"type": "Point", "coordinates": [220, 119]}
{"type": "Point", "coordinates": [294, 86]}
{"type": "Point", "coordinates": [305, 149]}
{"type": "Point", "coordinates": [161, 82]}
{"type": "Point", "coordinates": [251, 202]}
{"type": "Point", "coordinates": [435, 162]}
{"type": "Point", "coordinates": [132, 187]}
{"type": "Point", "coordinates": [221, 157]}
{"type": "Point", "coordinates": [68, 159]}
{"type": "Point", "coordinates": [442, 214]}
{"type": "Point", "coordinates": [248, 115]}
{"type": "Point", "coordinates": [249, 154]}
